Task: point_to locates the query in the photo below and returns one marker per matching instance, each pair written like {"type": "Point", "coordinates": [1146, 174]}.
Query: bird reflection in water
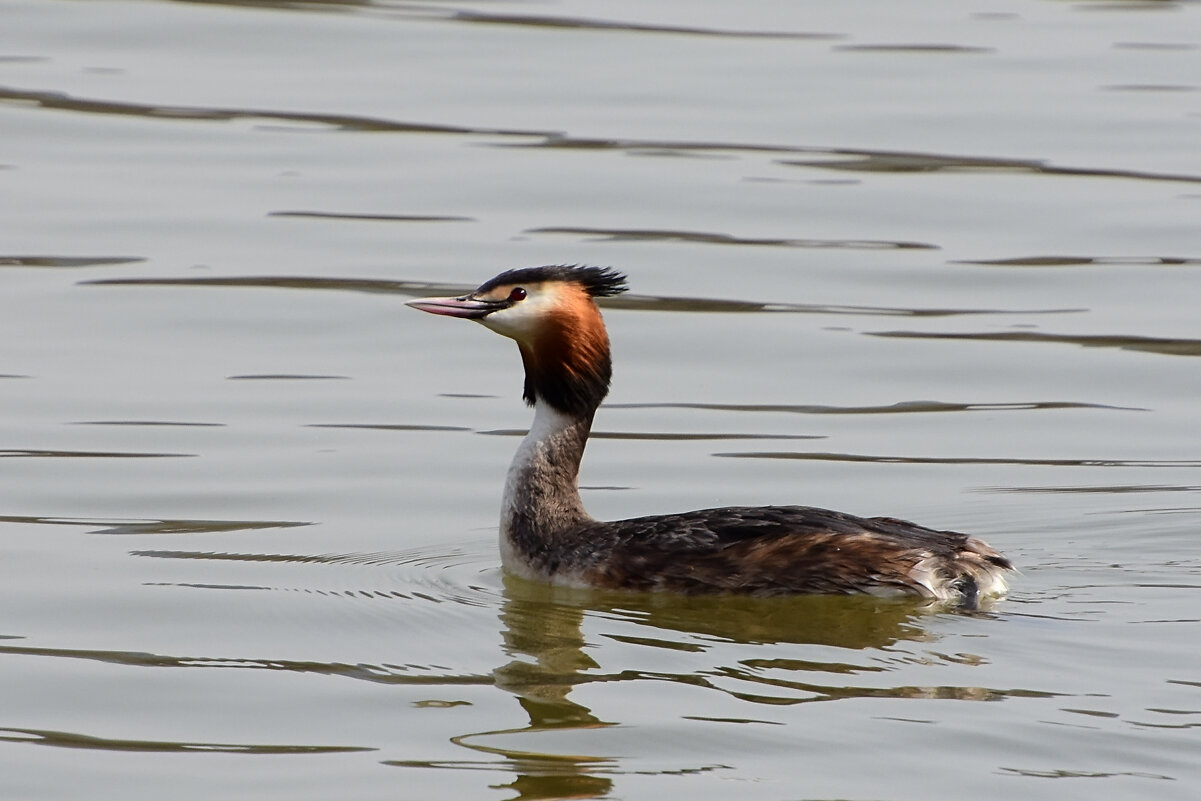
{"type": "Point", "coordinates": [543, 633]}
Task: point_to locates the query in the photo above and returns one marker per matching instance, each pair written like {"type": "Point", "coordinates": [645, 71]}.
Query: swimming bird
{"type": "Point", "coordinates": [546, 535]}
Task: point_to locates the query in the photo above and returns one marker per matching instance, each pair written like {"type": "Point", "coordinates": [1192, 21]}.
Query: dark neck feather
{"type": "Point", "coordinates": [568, 368]}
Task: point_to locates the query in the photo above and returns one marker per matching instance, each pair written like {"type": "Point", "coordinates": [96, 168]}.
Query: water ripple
{"type": "Point", "coordinates": [1166, 346]}
{"type": "Point", "coordinates": [1078, 261]}
{"type": "Point", "coordinates": [659, 436]}
{"type": "Point", "coordinates": [845, 159]}
{"type": "Point", "coordinates": [147, 423]}
{"type": "Point", "coordinates": [904, 407]}
{"type": "Point", "coordinates": [1107, 489]}
{"type": "Point", "coordinates": [109, 526]}
{"type": "Point", "coordinates": [913, 48]}
{"type": "Point", "coordinates": [329, 215]}
{"type": "Point", "coordinates": [67, 261]}
{"type": "Point", "coordinates": [586, 23]}
{"type": "Point", "coordinates": [661, 235]}
{"type": "Point", "coordinates": [51, 454]}
{"type": "Point", "coordinates": [436, 575]}
{"type": "Point", "coordinates": [388, 426]}
{"type": "Point", "coordinates": [61, 739]}
{"type": "Point", "coordinates": [628, 302]}
{"type": "Point", "coordinates": [859, 457]}
{"type": "Point", "coordinates": [1078, 774]}
{"type": "Point", "coordinates": [384, 674]}
{"type": "Point", "coordinates": [287, 377]}
{"type": "Point", "coordinates": [60, 101]}
{"type": "Point", "coordinates": [916, 162]}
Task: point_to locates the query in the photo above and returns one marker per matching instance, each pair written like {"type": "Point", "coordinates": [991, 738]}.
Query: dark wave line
{"type": "Point", "coordinates": [586, 23]}
{"type": "Point", "coordinates": [859, 160]}
{"type": "Point", "coordinates": [413, 288]}
{"type": "Point", "coordinates": [1101, 489]}
{"type": "Point", "coordinates": [905, 407]}
{"type": "Point", "coordinates": [286, 377]}
{"type": "Point", "coordinates": [1078, 261]}
{"type": "Point", "coordinates": [914, 48]}
{"type": "Point", "coordinates": [914, 162]}
{"type": "Point", "coordinates": [1083, 774]}
{"type": "Point", "coordinates": [388, 426]}
{"type": "Point", "coordinates": [149, 423]}
{"type": "Point", "coordinates": [61, 101]}
{"type": "Point", "coordinates": [384, 674]}
{"type": "Point", "coordinates": [49, 454]}
{"type": "Point", "coordinates": [859, 457]}
{"type": "Point", "coordinates": [846, 159]}
{"type": "Point", "coordinates": [1167, 346]}
{"type": "Point", "coordinates": [155, 526]}
{"type": "Point", "coordinates": [659, 435]}
{"type": "Point", "coordinates": [245, 557]}
{"type": "Point", "coordinates": [329, 215]}
{"type": "Point", "coordinates": [657, 303]}
{"type": "Point", "coordinates": [701, 237]}
{"type": "Point", "coordinates": [67, 261]}
{"type": "Point", "coordinates": [365, 558]}
{"type": "Point", "coordinates": [63, 739]}
{"type": "Point", "coordinates": [430, 12]}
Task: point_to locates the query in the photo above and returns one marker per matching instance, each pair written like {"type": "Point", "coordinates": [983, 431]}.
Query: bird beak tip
{"type": "Point", "coordinates": [452, 307]}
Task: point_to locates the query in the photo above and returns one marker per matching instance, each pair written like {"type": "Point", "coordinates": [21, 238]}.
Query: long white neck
{"type": "Point", "coordinates": [541, 504]}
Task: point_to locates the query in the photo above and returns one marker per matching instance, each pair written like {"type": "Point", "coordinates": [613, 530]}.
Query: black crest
{"type": "Point", "coordinates": [599, 282]}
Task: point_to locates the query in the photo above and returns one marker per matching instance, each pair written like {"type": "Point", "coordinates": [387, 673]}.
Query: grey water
{"type": "Point", "coordinates": [934, 260]}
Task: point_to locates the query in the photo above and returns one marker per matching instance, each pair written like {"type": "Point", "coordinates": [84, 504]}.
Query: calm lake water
{"type": "Point", "coordinates": [938, 260]}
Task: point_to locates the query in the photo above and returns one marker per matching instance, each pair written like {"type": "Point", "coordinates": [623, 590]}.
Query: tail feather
{"type": "Point", "coordinates": [975, 572]}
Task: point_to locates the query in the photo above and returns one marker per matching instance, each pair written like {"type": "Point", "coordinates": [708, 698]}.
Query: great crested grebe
{"type": "Point", "coordinates": [546, 535]}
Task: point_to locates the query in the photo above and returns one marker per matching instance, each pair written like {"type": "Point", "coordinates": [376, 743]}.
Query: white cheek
{"type": "Point", "coordinates": [521, 320]}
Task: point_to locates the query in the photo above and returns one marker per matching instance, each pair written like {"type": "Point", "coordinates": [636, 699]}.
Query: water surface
{"type": "Point", "coordinates": [935, 260]}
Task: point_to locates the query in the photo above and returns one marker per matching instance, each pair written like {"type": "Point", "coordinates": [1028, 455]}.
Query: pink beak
{"type": "Point", "coordinates": [466, 307]}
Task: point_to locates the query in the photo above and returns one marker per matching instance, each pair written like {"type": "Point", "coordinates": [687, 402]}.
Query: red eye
{"type": "Point", "coordinates": [516, 295]}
